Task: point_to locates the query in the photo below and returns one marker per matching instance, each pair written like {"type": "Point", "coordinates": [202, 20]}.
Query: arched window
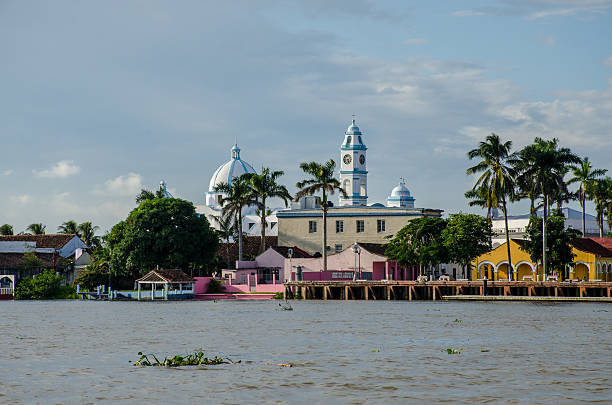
{"type": "Point", "coordinates": [362, 191]}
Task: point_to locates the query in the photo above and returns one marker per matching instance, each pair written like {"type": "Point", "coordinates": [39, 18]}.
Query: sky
{"type": "Point", "coordinates": [101, 99]}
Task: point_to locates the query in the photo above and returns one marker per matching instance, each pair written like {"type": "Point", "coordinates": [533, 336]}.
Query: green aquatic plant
{"type": "Point", "coordinates": [457, 320]}
{"type": "Point", "coordinates": [484, 350]}
{"type": "Point", "coordinates": [195, 359]}
{"type": "Point", "coordinates": [453, 351]}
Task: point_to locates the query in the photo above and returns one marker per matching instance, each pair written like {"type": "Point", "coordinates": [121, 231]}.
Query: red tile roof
{"type": "Point", "coordinates": [591, 246]}
{"type": "Point", "coordinates": [55, 241]}
{"type": "Point", "coordinates": [605, 242]}
{"type": "Point", "coordinates": [14, 260]}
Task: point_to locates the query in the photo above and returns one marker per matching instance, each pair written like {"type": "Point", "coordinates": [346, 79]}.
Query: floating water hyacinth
{"type": "Point", "coordinates": [195, 359]}
{"type": "Point", "coordinates": [453, 351]}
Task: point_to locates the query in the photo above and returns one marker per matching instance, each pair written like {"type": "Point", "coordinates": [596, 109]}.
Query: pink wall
{"type": "Point", "coordinates": [324, 276]}
{"type": "Point", "coordinates": [378, 271]}
{"type": "Point", "coordinates": [201, 285]}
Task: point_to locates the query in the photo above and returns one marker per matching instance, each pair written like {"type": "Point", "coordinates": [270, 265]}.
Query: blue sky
{"type": "Point", "coordinates": [101, 99]}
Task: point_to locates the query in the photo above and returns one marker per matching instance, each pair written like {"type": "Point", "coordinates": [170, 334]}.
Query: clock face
{"type": "Point", "coordinates": [347, 159]}
{"type": "Point", "coordinates": [362, 159]}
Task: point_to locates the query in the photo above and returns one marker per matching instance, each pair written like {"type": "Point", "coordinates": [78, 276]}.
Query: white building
{"type": "Point", "coordinates": [518, 223]}
{"type": "Point", "coordinates": [251, 222]}
{"type": "Point", "coordinates": [353, 173]}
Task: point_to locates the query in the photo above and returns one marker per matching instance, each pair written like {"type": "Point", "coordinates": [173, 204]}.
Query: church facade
{"type": "Point", "coordinates": [352, 221]}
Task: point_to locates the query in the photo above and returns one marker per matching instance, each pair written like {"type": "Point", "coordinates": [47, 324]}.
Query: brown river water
{"type": "Point", "coordinates": [78, 352]}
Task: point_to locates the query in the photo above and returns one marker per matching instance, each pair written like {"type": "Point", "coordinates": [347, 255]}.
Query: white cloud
{"type": "Point", "coordinates": [21, 199]}
{"type": "Point", "coordinates": [61, 169]}
{"type": "Point", "coordinates": [415, 41]}
{"type": "Point", "coordinates": [125, 185]}
{"type": "Point", "coordinates": [608, 61]}
{"type": "Point", "coordinates": [6, 172]}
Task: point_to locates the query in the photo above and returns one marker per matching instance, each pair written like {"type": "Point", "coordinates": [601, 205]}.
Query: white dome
{"type": "Point", "coordinates": [400, 197]}
{"type": "Point", "coordinates": [353, 129]}
{"type": "Point", "coordinates": [235, 167]}
{"type": "Point", "coordinates": [400, 191]}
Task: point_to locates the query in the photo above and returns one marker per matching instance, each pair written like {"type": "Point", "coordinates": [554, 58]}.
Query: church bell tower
{"type": "Point", "coordinates": [353, 173]}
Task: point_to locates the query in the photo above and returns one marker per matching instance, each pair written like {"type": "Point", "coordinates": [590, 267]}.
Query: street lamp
{"type": "Point", "coordinates": [356, 253]}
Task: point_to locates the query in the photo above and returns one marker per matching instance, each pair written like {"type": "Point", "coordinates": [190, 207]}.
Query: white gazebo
{"type": "Point", "coordinates": [168, 279]}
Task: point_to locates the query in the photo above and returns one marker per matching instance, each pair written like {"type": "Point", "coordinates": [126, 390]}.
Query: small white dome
{"type": "Point", "coordinates": [400, 191]}
{"type": "Point", "coordinates": [353, 129]}
{"type": "Point", "coordinates": [235, 167]}
{"type": "Point", "coordinates": [400, 197]}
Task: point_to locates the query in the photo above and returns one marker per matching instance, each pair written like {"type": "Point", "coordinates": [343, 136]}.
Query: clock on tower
{"type": "Point", "coordinates": [353, 173]}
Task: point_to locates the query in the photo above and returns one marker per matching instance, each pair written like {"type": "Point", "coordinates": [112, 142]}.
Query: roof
{"type": "Point", "coordinates": [54, 241]}
{"type": "Point", "coordinates": [167, 276]}
{"type": "Point", "coordinates": [589, 245]}
{"type": "Point", "coordinates": [297, 252]}
{"type": "Point", "coordinates": [375, 248]}
{"type": "Point", "coordinates": [605, 242]}
{"type": "Point", "coordinates": [14, 260]}
{"type": "Point", "coordinates": [235, 167]}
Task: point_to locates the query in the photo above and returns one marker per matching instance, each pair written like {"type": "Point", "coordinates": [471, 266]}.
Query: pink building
{"type": "Point", "coordinates": [368, 260]}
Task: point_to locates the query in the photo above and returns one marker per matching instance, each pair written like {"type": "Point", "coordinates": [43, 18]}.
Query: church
{"type": "Point", "coordinates": [351, 220]}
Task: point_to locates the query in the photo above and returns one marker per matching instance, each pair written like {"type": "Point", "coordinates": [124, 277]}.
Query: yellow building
{"type": "Point", "coordinates": [592, 261]}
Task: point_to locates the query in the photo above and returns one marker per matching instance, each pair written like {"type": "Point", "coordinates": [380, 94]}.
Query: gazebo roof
{"type": "Point", "coordinates": [166, 276]}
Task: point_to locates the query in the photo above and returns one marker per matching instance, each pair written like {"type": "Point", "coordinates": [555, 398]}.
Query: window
{"type": "Point", "coordinates": [339, 226]}
{"type": "Point", "coordinates": [380, 225]}
{"type": "Point", "coordinates": [312, 226]}
{"type": "Point", "coordinates": [338, 248]}
{"type": "Point", "coordinates": [360, 226]}
{"type": "Point", "coordinates": [251, 225]}
{"type": "Point", "coordinates": [272, 225]}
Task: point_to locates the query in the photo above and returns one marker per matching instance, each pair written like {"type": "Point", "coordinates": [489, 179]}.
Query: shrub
{"type": "Point", "coordinates": [46, 285]}
{"type": "Point", "coordinates": [215, 286]}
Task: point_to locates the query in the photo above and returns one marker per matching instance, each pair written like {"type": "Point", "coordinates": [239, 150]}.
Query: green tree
{"type": "Point", "coordinates": [165, 232]}
{"type": "Point", "coordinates": [263, 187]}
{"type": "Point", "coordinates": [87, 233]}
{"type": "Point", "coordinates": [226, 232]}
{"type": "Point", "coordinates": [323, 181]}
{"type": "Point", "coordinates": [584, 176]}
{"type": "Point", "coordinates": [36, 229]}
{"type": "Point", "coordinates": [236, 196]}
{"type": "Point", "coordinates": [559, 240]}
{"type": "Point", "coordinates": [145, 195]}
{"type": "Point", "coordinates": [467, 236]}
{"type": "Point", "coordinates": [31, 262]}
{"type": "Point", "coordinates": [6, 229]}
{"type": "Point", "coordinates": [496, 182]}
{"type": "Point", "coordinates": [601, 192]}
{"type": "Point", "coordinates": [69, 227]}
{"type": "Point", "coordinates": [97, 271]}
{"type": "Point", "coordinates": [550, 163]}
{"type": "Point", "coordinates": [420, 241]}
{"type": "Point", "coordinates": [46, 285]}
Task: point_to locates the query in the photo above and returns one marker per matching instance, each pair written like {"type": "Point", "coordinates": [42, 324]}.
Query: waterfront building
{"type": "Point", "coordinates": [352, 221]}
{"type": "Point", "coordinates": [592, 262]}
{"type": "Point", "coordinates": [53, 251]}
{"type": "Point", "coordinates": [518, 223]}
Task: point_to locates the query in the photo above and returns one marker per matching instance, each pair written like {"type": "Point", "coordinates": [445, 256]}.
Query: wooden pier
{"type": "Point", "coordinates": [442, 290]}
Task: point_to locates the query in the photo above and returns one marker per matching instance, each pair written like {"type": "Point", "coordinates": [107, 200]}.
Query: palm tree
{"type": "Point", "coordinates": [145, 195]}
{"type": "Point", "coordinates": [547, 172]}
{"type": "Point", "coordinates": [322, 180]}
{"type": "Point", "coordinates": [601, 192]}
{"type": "Point", "coordinates": [6, 229]}
{"type": "Point", "coordinates": [263, 187]}
{"type": "Point", "coordinates": [87, 232]}
{"type": "Point", "coordinates": [236, 196]}
{"type": "Point", "coordinates": [481, 198]}
{"type": "Point", "coordinates": [36, 229]}
{"type": "Point", "coordinates": [584, 175]}
{"type": "Point", "coordinates": [69, 227]}
{"type": "Point", "coordinates": [227, 230]}
{"type": "Point", "coordinates": [497, 180]}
